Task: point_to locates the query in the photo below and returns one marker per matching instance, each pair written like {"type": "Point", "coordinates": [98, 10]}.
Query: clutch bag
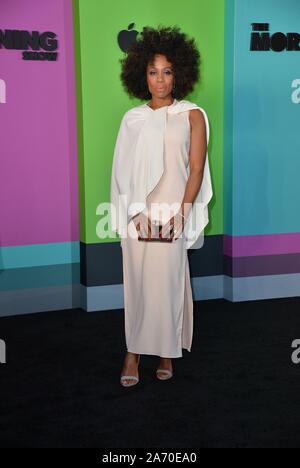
{"type": "Point", "coordinates": [157, 237]}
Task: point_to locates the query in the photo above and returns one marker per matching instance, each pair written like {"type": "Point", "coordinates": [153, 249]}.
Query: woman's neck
{"type": "Point", "coordinates": [156, 104]}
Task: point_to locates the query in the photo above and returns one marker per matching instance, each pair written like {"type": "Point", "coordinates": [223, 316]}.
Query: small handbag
{"type": "Point", "coordinates": [157, 237]}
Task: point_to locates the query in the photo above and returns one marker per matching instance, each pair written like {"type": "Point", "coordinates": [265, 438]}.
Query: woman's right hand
{"type": "Point", "coordinates": [142, 224]}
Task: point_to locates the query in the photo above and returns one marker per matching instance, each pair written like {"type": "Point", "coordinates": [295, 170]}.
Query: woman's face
{"type": "Point", "coordinates": [160, 77]}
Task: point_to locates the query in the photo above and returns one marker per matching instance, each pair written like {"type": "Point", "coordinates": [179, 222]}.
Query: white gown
{"type": "Point", "coordinates": [158, 303]}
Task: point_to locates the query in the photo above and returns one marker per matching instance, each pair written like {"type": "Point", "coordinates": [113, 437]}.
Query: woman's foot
{"type": "Point", "coordinates": [165, 369]}
{"type": "Point", "coordinates": [130, 368]}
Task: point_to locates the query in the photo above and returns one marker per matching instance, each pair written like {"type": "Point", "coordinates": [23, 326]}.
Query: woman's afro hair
{"type": "Point", "coordinates": [181, 51]}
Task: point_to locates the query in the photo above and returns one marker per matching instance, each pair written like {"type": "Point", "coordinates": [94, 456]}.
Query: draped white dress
{"type": "Point", "coordinates": [158, 303]}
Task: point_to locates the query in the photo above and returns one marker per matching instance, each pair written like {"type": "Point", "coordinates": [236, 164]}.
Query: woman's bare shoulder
{"type": "Point", "coordinates": [196, 117]}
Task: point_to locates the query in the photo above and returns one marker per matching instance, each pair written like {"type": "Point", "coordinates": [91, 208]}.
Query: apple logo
{"type": "Point", "coordinates": [126, 37]}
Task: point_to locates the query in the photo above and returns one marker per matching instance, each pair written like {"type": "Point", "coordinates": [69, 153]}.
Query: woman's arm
{"type": "Point", "coordinates": [198, 148]}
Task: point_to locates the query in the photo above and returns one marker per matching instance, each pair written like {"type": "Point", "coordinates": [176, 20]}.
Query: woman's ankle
{"type": "Point", "coordinates": [132, 355]}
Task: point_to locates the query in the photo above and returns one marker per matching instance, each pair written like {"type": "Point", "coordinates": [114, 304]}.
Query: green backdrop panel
{"type": "Point", "coordinates": [101, 100]}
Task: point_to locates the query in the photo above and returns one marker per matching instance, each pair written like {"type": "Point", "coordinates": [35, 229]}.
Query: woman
{"type": "Point", "coordinates": [160, 160]}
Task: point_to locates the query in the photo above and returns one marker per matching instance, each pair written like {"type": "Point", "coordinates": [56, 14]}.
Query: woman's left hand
{"type": "Point", "coordinates": [173, 227]}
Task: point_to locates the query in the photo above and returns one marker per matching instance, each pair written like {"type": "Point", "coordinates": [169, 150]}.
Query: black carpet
{"type": "Point", "coordinates": [237, 388]}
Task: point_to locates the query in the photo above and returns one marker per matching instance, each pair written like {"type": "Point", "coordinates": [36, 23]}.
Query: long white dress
{"type": "Point", "coordinates": [158, 303]}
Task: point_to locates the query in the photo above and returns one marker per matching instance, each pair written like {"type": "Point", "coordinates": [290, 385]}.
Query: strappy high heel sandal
{"type": "Point", "coordinates": [164, 374]}
{"type": "Point", "coordinates": [130, 377]}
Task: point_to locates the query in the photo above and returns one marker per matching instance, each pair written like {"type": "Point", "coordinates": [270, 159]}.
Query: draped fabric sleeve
{"type": "Point", "coordinates": [122, 169]}
{"type": "Point", "coordinates": [118, 186]}
{"type": "Point", "coordinates": [198, 217]}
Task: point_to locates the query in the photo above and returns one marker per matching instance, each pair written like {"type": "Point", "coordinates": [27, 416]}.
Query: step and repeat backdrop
{"type": "Point", "coordinates": [61, 103]}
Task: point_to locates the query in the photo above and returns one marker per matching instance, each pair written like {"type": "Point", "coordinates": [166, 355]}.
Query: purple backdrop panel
{"type": "Point", "coordinates": [38, 177]}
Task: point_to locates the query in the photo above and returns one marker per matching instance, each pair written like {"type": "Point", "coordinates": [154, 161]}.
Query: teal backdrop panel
{"type": "Point", "coordinates": [266, 115]}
